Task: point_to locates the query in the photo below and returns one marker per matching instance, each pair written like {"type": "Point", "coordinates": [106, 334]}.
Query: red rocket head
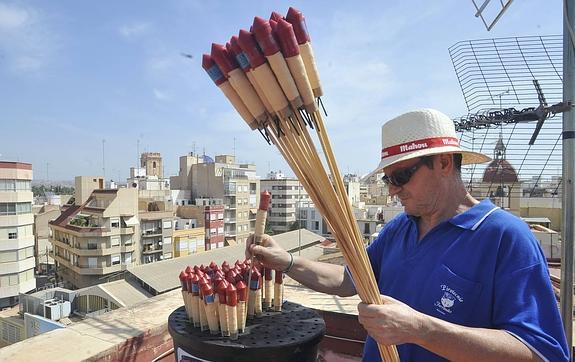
{"type": "Point", "coordinates": [231, 295]}
{"type": "Point", "coordinates": [248, 44]}
{"type": "Point", "coordinates": [265, 198]}
{"type": "Point", "coordinates": [287, 39]}
{"type": "Point", "coordinates": [242, 291]}
{"type": "Point", "coordinates": [223, 59]}
{"type": "Point", "coordinates": [279, 277]}
{"type": "Point", "coordinates": [275, 16]}
{"type": "Point", "coordinates": [296, 18]}
{"type": "Point", "coordinates": [264, 36]}
{"type": "Point", "coordinates": [212, 69]}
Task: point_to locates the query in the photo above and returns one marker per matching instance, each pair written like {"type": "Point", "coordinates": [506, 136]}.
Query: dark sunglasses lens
{"type": "Point", "coordinates": [401, 177]}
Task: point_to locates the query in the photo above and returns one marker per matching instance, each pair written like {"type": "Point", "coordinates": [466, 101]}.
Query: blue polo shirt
{"type": "Point", "coordinates": [482, 268]}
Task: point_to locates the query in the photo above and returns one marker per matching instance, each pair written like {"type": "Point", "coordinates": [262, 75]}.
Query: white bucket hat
{"type": "Point", "coordinates": [421, 133]}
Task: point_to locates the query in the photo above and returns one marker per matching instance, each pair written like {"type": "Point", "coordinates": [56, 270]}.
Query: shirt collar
{"type": "Point", "coordinates": [472, 218]}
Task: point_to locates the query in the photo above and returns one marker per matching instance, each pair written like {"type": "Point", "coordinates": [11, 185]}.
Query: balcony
{"type": "Point", "coordinates": [150, 233]}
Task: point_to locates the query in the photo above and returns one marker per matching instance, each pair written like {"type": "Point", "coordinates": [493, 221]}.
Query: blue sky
{"type": "Point", "coordinates": [73, 73]}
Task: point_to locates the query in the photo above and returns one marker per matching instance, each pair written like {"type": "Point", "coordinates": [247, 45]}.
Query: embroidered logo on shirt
{"type": "Point", "coordinates": [448, 299]}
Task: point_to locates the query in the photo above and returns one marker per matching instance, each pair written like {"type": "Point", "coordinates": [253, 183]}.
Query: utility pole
{"type": "Point", "coordinates": [104, 161]}
{"type": "Point", "coordinates": [568, 217]}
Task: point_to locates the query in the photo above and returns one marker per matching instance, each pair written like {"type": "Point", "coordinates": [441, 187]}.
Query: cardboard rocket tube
{"type": "Point", "coordinates": [184, 285]}
{"type": "Point", "coordinates": [210, 306]}
{"type": "Point", "coordinates": [195, 300]}
{"type": "Point", "coordinates": [268, 288]}
{"type": "Point", "coordinates": [258, 298]}
{"type": "Point", "coordinates": [297, 20]}
{"type": "Point", "coordinates": [220, 80]}
{"type": "Point", "coordinates": [239, 82]}
{"type": "Point", "coordinates": [264, 36]}
{"type": "Point", "coordinates": [223, 308]}
{"type": "Point", "coordinates": [202, 307]}
{"type": "Point", "coordinates": [263, 74]}
{"type": "Point", "coordinates": [278, 291]}
{"type": "Point", "coordinates": [232, 302]}
{"type": "Point", "coordinates": [241, 307]}
{"type": "Point", "coordinates": [234, 48]}
{"type": "Point", "coordinates": [290, 49]}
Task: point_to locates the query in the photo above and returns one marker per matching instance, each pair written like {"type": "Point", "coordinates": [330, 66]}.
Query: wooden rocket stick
{"type": "Point", "coordinates": [241, 307]}
{"type": "Point", "coordinates": [232, 302]}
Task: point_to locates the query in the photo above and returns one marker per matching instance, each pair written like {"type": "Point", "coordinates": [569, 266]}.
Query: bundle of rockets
{"type": "Point", "coordinates": [269, 76]}
{"type": "Point", "coordinates": [268, 73]}
{"type": "Point", "coordinates": [217, 298]}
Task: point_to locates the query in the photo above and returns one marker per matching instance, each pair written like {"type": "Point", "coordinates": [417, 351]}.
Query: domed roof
{"type": "Point", "coordinates": [500, 171]}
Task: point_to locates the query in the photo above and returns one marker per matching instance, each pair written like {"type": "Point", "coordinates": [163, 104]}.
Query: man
{"type": "Point", "coordinates": [460, 279]}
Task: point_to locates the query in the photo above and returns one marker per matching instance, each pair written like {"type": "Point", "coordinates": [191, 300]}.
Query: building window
{"type": "Point", "coordinates": [92, 262]}
{"type": "Point", "coordinates": [13, 234]}
{"type": "Point", "coordinates": [167, 224]}
{"type": "Point", "coordinates": [168, 256]}
{"type": "Point", "coordinates": [115, 223]}
{"type": "Point", "coordinates": [316, 225]}
{"type": "Point", "coordinates": [115, 241]}
{"type": "Point", "coordinates": [115, 259]}
{"type": "Point", "coordinates": [168, 241]}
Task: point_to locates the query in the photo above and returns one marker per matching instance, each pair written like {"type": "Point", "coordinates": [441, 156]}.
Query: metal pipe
{"type": "Point", "coordinates": [568, 217]}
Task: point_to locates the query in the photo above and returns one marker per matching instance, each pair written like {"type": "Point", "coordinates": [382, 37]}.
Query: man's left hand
{"type": "Point", "coordinates": [392, 322]}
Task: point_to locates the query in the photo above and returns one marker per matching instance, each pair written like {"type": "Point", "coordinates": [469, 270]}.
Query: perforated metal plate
{"type": "Point", "coordinates": [279, 336]}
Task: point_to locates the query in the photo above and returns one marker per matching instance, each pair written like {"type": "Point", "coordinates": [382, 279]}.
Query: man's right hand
{"type": "Point", "coordinates": [269, 254]}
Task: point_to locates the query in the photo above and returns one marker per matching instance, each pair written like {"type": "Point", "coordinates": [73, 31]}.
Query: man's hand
{"type": "Point", "coordinates": [393, 322]}
{"type": "Point", "coordinates": [269, 254]}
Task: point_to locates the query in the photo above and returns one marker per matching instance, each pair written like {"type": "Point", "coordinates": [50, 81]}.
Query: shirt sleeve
{"type": "Point", "coordinates": [524, 302]}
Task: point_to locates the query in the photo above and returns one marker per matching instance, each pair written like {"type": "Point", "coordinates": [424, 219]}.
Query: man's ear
{"type": "Point", "coordinates": [446, 162]}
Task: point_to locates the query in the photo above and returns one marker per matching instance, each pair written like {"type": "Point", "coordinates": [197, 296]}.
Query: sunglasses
{"type": "Point", "coordinates": [402, 176]}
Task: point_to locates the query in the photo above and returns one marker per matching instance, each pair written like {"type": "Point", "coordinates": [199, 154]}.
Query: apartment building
{"type": "Point", "coordinates": [237, 185]}
{"type": "Point", "coordinates": [97, 237]}
{"type": "Point", "coordinates": [156, 227]}
{"type": "Point", "coordinates": [207, 214]}
{"type": "Point", "coordinates": [16, 232]}
{"type": "Point", "coordinates": [288, 195]}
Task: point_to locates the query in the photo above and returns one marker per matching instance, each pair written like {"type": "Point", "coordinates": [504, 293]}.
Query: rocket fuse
{"type": "Point", "coordinates": [239, 82]}
{"type": "Point", "coordinates": [220, 79]}
{"type": "Point", "coordinates": [290, 49]}
{"type": "Point", "coordinates": [297, 20]}
{"type": "Point", "coordinates": [266, 40]}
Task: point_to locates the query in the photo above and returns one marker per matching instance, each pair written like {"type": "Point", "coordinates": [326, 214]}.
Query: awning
{"type": "Point", "coordinates": [132, 221]}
